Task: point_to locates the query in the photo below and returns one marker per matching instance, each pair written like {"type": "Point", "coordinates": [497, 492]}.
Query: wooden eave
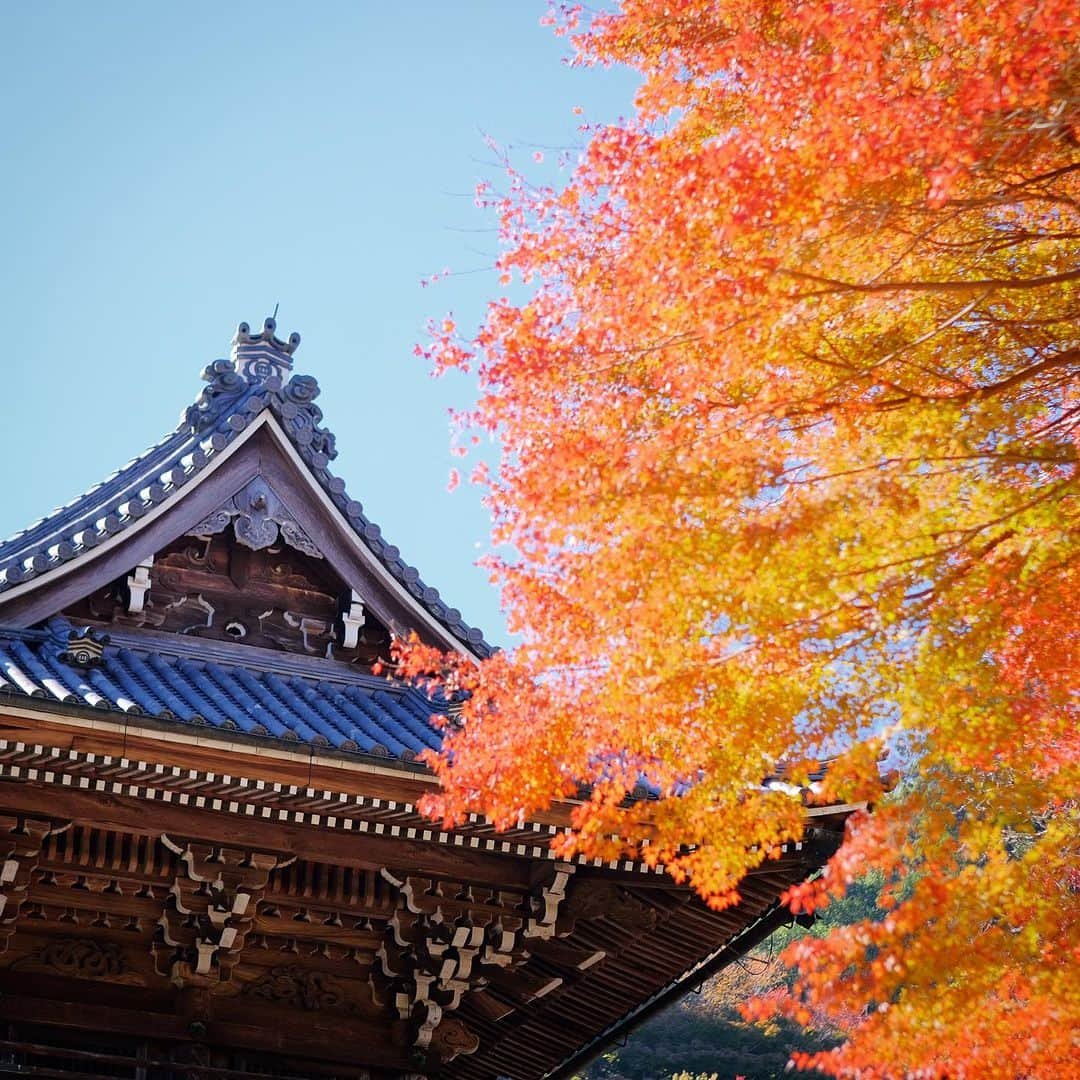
{"type": "Point", "coordinates": [621, 932]}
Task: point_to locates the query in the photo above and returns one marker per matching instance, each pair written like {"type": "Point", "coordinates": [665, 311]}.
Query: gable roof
{"type": "Point", "coordinates": [254, 388]}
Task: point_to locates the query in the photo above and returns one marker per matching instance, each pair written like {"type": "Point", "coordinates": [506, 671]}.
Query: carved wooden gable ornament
{"type": "Point", "coordinates": [242, 492]}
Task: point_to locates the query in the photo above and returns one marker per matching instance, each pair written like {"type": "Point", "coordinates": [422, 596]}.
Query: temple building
{"type": "Point", "coordinates": [211, 862]}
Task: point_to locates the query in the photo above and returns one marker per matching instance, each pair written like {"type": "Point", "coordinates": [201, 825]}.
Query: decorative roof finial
{"type": "Point", "coordinates": [260, 356]}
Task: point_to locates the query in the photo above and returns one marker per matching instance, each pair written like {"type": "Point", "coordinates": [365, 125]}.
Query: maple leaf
{"type": "Point", "coordinates": [789, 423]}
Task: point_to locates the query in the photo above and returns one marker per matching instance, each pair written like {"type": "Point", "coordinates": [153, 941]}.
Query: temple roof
{"type": "Point", "coordinates": [195, 745]}
{"type": "Point", "coordinates": [256, 382]}
{"type": "Point", "coordinates": [232, 688]}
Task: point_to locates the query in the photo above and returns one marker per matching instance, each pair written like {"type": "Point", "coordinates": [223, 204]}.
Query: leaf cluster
{"type": "Point", "coordinates": [790, 426]}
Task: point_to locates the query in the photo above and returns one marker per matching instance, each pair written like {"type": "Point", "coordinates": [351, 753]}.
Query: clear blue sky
{"type": "Point", "coordinates": [173, 169]}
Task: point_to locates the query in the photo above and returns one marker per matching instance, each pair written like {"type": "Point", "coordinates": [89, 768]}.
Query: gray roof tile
{"type": "Point", "coordinates": [237, 391]}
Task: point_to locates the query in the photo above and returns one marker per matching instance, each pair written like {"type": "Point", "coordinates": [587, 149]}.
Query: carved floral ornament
{"type": "Point", "coordinates": [81, 958]}
{"type": "Point", "coordinates": [299, 987]}
{"type": "Point", "coordinates": [259, 519]}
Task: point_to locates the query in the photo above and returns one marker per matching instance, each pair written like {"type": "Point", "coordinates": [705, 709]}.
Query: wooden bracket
{"type": "Point", "coordinates": [447, 939]}
{"type": "Point", "coordinates": [20, 849]}
{"type": "Point", "coordinates": [209, 911]}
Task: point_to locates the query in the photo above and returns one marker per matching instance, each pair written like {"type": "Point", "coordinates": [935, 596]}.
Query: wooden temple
{"type": "Point", "coordinates": [211, 864]}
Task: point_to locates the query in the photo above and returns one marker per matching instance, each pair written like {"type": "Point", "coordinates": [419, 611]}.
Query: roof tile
{"type": "Point", "coordinates": [351, 713]}
{"type": "Point", "coordinates": [234, 397]}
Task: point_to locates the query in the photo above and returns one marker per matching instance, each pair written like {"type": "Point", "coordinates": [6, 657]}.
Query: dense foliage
{"type": "Point", "coordinates": [789, 471]}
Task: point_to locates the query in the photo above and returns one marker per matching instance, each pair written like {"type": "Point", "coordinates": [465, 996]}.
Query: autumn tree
{"type": "Point", "coordinates": [789, 432]}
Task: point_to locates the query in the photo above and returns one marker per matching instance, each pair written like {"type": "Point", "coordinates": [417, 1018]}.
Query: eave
{"type": "Point", "coordinates": [99, 771]}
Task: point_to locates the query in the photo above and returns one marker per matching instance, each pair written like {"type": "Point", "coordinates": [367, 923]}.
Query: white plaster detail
{"type": "Point", "coordinates": [138, 584]}
{"type": "Point", "coordinates": [352, 621]}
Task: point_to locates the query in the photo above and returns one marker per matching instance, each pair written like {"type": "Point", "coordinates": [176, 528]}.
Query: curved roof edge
{"type": "Point", "coordinates": [256, 379]}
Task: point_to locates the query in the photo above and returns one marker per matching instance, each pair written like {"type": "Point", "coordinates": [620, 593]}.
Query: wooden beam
{"type": "Point", "coordinates": [356, 849]}
{"type": "Point", "coordinates": [142, 1057]}
{"type": "Point", "coordinates": [204, 749]}
{"type": "Point", "coordinates": [252, 1026]}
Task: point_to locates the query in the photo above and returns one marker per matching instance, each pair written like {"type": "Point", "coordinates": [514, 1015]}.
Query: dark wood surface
{"type": "Point", "coordinates": [337, 941]}
{"type": "Point", "coordinates": [216, 588]}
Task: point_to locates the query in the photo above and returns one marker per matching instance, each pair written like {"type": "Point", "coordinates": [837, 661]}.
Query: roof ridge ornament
{"type": "Point", "coordinates": [236, 394]}
{"type": "Point", "coordinates": [261, 356]}
{"type": "Point", "coordinates": [85, 646]}
{"type": "Point", "coordinates": [259, 362]}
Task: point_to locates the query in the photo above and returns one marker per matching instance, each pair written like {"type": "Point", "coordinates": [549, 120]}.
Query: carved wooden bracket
{"type": "Point", "coordinates": [209, 911]}
{"type": "Point", "coordinates": [138, 585]}
{"type": "Point", "coordinates": [446, 939]}
{"type": "Point", "coordinates": [259, 519]}
{"type": "Point", "coordinates": [20, 849]}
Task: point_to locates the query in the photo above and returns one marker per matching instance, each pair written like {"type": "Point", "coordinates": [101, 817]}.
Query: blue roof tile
{"type": "Point", "coordinates": [127, 678]}
{"type": "Point", "coordinates": [250, 715]}
{"type": "Point", "coordinates": [108, 689]}
{"type": "Point", "coordinates": [155, 687]}
{"type": "Point", "coordinates": [197, 708]}
{"type": "Point", "coordinates": [15, 679]}
{"type": "Point", "coordinates": [81, 691]}
{"type": "Point", "coordinates": [317, 699]}
{"type": "Point", "coordinates": [335, 706]}
{"type": "Point", "coordinates": [279, 720]}
{"type": "Point", "coordinates": [363, 730]}
{"type": "Point", "coordinates": [385, 721]}
{"type": "Point", "coordinates": [422, 731]}
{"type": "Point", "coordinates": [41, 674]}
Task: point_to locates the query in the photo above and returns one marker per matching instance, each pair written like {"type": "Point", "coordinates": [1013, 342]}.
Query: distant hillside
{"type": "Point", "coordinates": [703, 1036]}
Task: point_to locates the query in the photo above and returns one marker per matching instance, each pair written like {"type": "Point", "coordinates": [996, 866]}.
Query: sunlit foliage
{"type": "Point", "coordinates": [789, 429]}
